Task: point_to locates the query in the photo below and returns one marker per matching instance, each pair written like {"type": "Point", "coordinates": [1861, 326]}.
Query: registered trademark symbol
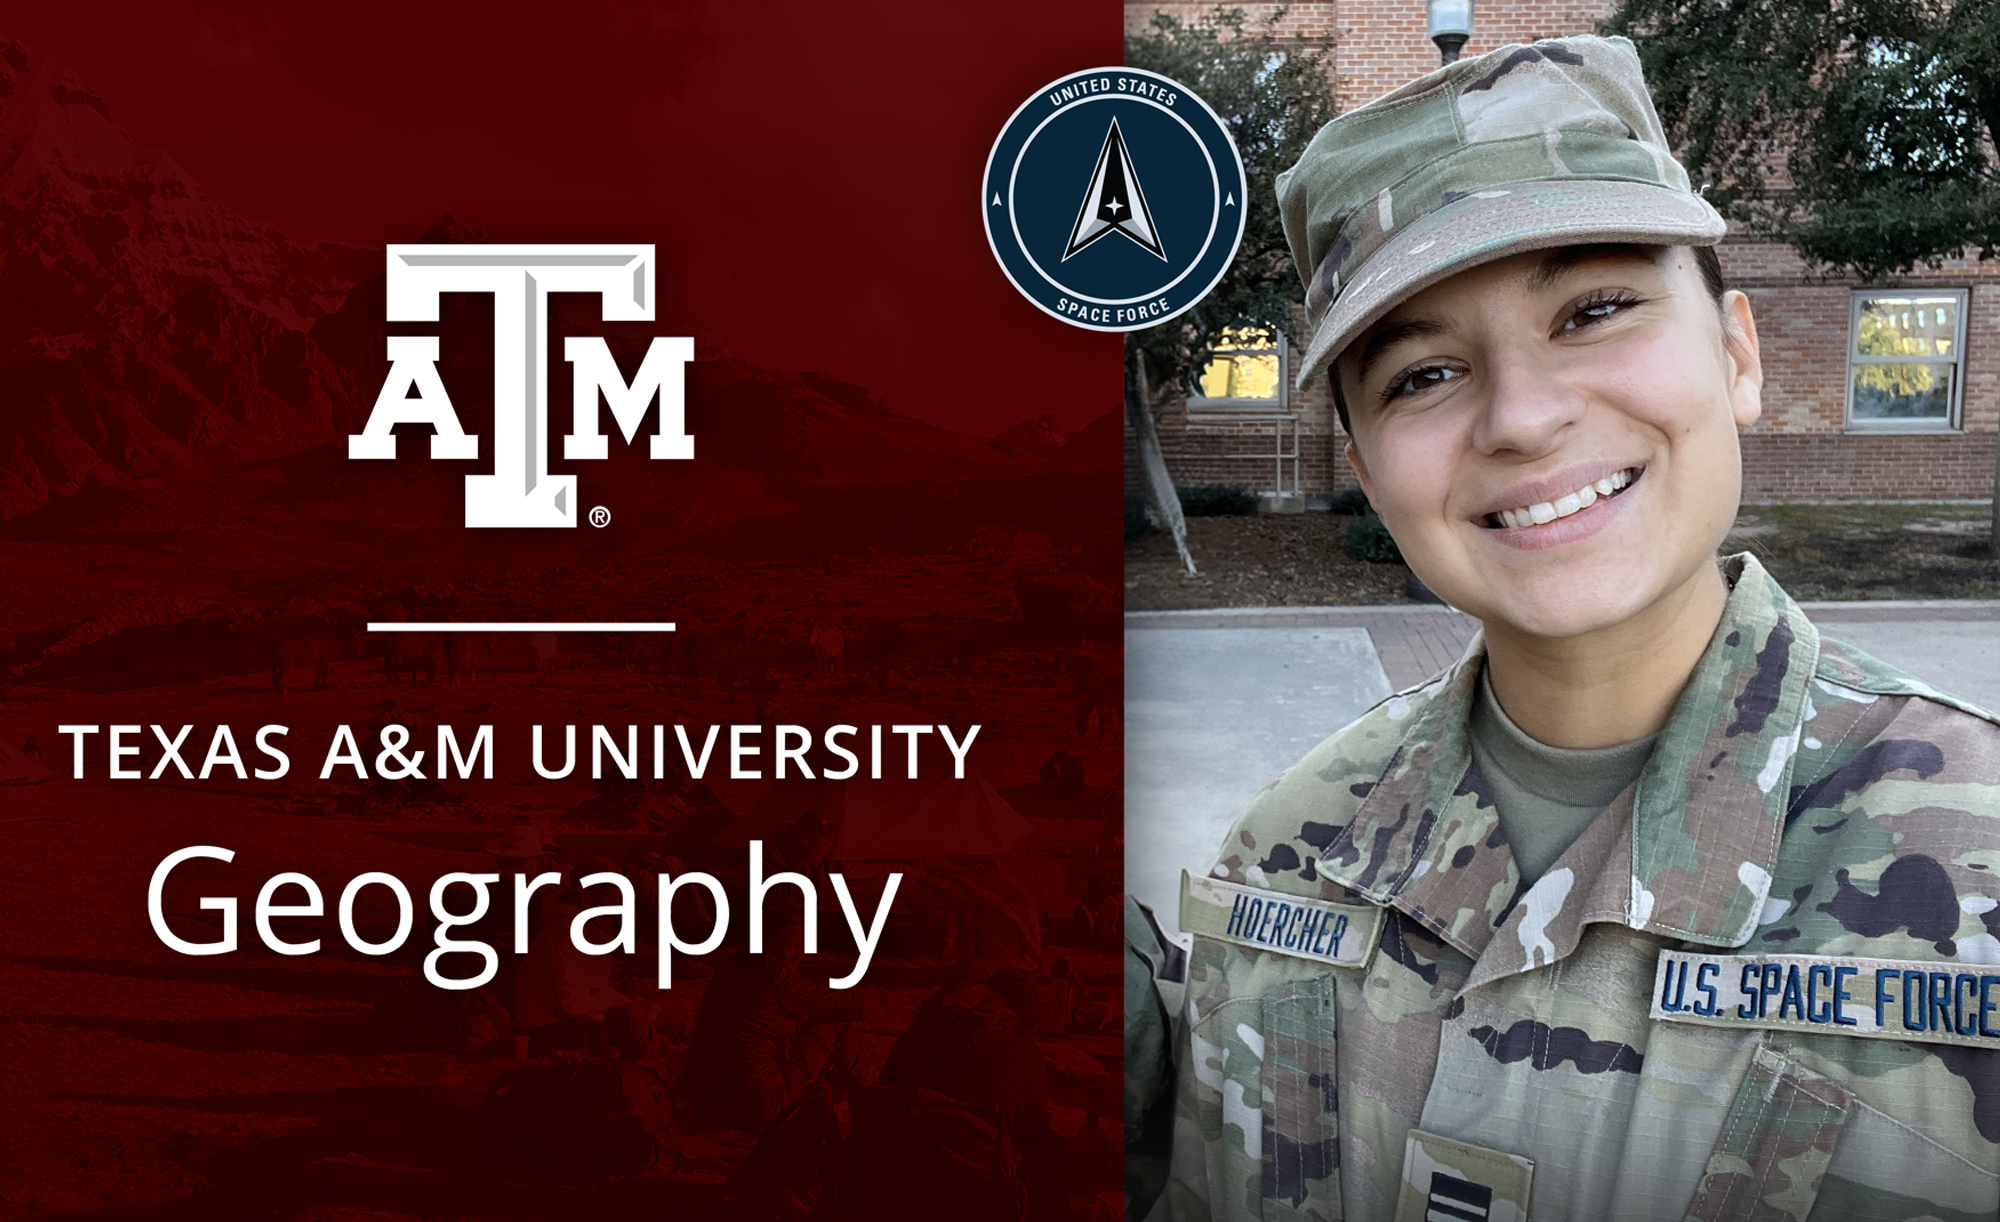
{"type": "Point", "coordinates": [600, 516]}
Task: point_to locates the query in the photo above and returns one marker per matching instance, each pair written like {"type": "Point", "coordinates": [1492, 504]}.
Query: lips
{"type": "Point", "coordinates": [1545, 501]}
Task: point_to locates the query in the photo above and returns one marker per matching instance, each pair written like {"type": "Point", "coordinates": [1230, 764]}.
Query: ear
{"type": "Point", "coordinates": [1360, 470]}
{"type": "Point", "coordinates": [1746, 364]}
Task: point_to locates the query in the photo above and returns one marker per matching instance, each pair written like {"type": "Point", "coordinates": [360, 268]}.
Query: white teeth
{"type": "Point", "coordinates": [1565, 505]}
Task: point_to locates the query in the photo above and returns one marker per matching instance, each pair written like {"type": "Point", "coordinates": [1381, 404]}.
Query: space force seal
{"type": "Point", "coordinates": [1891, 999]}
{"type": "Point", "coordinates": [1342, 935]}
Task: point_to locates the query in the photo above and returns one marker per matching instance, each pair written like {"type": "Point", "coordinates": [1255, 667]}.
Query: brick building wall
{"type": "Point", "coordinates": [1800, 450]}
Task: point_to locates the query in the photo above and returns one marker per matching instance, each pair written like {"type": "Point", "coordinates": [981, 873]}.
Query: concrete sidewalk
{"type": "Point", "coordinates": [1218, 703]}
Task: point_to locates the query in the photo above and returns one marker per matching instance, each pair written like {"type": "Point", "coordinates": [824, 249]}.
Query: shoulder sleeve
{"type": "Point", "coordinates": [1308, 805]}
{"type": "Point", "coordinates": [1895, 803]}
{"type": "Point", "coordinates": [1866, 723]}
{"type": "Point", "coordinates": [1842, 666]}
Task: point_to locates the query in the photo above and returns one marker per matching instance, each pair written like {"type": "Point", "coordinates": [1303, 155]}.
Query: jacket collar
{"type": "Point", "coordinates": [1706, 818]}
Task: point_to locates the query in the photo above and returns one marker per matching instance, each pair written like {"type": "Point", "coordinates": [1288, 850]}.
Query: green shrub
{"type": "Point", "coordinates": [1368, 539]}
{"type": "Point", "coordinates": [1349, 503]}
{"type": "Point", "coordinates": [1136, 521]}
{"type": "Point", "coordinates": [1217, 500]}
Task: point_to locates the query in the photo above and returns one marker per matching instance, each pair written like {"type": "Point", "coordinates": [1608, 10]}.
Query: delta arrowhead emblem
{"type": "Point", "coordinates": [1104, 209]}
{"type": "Point", "coordinates": [1130, 252]}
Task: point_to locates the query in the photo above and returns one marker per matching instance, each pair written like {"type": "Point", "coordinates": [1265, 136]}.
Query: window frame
{"type": "Point", "coordinates": [1279, 404]}
{"type": "Point", "coordinates": [1954, 414]}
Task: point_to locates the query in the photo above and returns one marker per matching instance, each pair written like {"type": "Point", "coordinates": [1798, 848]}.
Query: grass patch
{"type": "Point", "coordinates": [1906, 549]}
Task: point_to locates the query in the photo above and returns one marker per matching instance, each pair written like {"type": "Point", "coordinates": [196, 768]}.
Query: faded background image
{"type": "Point", "coordinates": [902, 500]}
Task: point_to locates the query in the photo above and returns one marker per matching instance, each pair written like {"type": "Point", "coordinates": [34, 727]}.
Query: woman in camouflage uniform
{"type": "Point", "coordinates": [1657, 904]}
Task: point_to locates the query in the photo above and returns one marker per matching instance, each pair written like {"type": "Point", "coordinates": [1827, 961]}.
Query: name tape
{"type": "Point", "coordinates": [1343, 935]}
{"type": "Point", "coordinates": [1889, 999]}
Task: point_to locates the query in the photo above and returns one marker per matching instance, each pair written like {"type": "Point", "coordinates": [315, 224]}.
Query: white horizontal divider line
{"type": "Point", "coordinates": [510, 626]}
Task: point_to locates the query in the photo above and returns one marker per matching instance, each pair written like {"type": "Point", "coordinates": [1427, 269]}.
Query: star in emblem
{"type": "Point", "coordinates": [1100, 212]}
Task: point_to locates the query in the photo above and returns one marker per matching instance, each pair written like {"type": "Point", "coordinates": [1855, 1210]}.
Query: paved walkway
{"type": "Point", "coordinates": [1218, 703]}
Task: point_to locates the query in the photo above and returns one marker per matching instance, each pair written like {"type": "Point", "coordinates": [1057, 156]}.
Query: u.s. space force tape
{"type": "Point", "coordinates": [1343, 935]}
{"type": "Point", "coordinates": [1889, 999]}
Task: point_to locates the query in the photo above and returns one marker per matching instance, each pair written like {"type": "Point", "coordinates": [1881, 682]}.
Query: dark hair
{"type": "Point", "coordinates": [1709, 264]}
{"type": "Point", "coordinates": [1705, 261]}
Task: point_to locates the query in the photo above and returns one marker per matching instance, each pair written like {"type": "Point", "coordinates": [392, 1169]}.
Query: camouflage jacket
{"type": "Point", "coordinates": [1689, 1015]}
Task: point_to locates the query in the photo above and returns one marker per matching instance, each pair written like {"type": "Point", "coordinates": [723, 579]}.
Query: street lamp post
{"type": "Point", "coordinates": [1450, 26]}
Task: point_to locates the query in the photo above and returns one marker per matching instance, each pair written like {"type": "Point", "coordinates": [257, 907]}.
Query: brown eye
{"type": "Point", "coordinates": [1419, 380]}
{"type": "Point", "coordinates": [1595, 310]}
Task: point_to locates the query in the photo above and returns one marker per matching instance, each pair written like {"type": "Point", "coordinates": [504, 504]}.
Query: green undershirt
{"type": "Point", "coordinates": [1546, 796]}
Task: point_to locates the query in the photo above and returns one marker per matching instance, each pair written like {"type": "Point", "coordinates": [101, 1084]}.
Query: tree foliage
{"type": "Point", "coordinates": [1860, 131]}
{"type": "Point", "coordinates": [1273, 94]}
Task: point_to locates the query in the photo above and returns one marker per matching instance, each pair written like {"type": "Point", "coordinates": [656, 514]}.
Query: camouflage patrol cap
{"type": "Point", "coordinates": [1526, 147]}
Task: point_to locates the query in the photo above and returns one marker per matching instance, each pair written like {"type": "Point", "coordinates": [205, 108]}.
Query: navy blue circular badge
{"type": "Point", "coordinates": [1114, 199]}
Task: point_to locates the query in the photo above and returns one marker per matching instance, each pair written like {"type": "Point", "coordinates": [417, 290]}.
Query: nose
{"type": "Point", "coordinates": [1528, 405]}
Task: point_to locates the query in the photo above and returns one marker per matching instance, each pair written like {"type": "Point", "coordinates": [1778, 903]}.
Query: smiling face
{"type": "Point", "coordinates": [1551, 437]}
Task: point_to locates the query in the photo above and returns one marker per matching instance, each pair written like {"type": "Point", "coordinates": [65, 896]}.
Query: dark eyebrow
{"type": "Point", "coordinates": [1554, 265]}
{"type": "Point", "coordinates": [1389, 334]}
{"type": "Point", "coordinates": [1563, 258]}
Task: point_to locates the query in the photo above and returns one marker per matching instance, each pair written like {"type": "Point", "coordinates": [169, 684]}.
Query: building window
{"type": "Point", "coordinates": [1247, 373]}
{"type": "Point", "coordinates": [1905, 361]}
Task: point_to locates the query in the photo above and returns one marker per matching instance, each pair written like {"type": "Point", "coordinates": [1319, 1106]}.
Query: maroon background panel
{"type": "Point", "coordinates": [904, 508]}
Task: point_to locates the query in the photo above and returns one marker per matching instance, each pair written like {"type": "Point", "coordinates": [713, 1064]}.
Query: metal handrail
{"type": "Point", "coordinates": [1278, 453]}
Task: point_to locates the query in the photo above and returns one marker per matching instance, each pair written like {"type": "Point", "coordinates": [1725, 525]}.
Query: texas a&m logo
{"type": "Point", "coordinates": [521, 491]}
